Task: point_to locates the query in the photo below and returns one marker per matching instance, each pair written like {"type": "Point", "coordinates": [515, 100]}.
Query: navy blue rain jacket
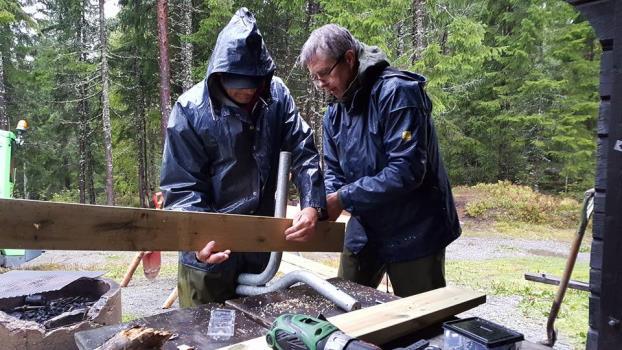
{"type": "Point", "coordinates": [219, 157]}
{"type": "Point", "coordinates": [381, 153]}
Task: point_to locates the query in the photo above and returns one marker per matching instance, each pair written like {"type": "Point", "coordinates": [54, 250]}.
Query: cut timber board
{"type": "Point", "coordinates": [385, 322]}
{"type": "Point", "coordinates": [45, 225]}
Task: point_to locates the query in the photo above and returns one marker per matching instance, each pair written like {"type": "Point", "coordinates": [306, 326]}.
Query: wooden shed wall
{"type": "Point", "coordinates": [606, 261]}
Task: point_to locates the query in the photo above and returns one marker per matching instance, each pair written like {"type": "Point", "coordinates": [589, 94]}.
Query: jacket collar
{"type": "Point", "coordinates": [371, 62]}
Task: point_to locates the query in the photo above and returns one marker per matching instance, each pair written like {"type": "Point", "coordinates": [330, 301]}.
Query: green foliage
{"type": "Point", "coordinates": [504, 201]}
{"type": "Point", "coordinates": [515, 90]}
{"type": "Point", "coordinates": [514, 84]}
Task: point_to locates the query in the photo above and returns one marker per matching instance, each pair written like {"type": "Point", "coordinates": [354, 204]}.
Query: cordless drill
{"type": "Point", "coordinates": [300, 332]}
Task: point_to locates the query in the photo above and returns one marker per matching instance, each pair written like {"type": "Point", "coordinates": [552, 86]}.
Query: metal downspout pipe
{"type": "Point", "coordinates": [280, 211]}
{"type": "Point", "coordinates": [255, 284]}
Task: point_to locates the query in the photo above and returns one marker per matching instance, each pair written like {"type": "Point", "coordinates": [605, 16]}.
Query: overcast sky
{"type": "Point", "coordinates": [111, 8]}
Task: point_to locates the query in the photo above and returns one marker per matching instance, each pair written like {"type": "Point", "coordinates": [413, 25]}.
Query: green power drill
{"type": "Point", "coordinates": [300, 332]}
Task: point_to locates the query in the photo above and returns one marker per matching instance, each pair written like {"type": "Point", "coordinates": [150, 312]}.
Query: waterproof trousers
{"type": "Point", "coordinates": [199, 284]}
{"type": "Point", "coordinates": [407, 278]}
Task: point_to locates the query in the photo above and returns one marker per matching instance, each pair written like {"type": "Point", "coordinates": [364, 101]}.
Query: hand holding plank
{"type": "Point", "coordinates": [207, 255]}
{"type": "Point", "coordinates": [303, 226]}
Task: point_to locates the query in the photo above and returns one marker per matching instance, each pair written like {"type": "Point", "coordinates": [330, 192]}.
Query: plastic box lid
{"type": "Point", "coordinates": [484, 332]}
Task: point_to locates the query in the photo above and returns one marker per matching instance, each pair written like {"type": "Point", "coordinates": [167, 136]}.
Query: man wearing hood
{"type": "Point", "coordinates": [382, 164]}
{"type": "Point", "coordinates": [221, 155]}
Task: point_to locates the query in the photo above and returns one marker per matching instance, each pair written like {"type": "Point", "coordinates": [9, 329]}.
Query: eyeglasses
{"type": "Point", "coordinates": [315, 78]}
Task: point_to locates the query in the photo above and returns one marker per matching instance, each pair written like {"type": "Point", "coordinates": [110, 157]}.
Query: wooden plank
{"type": "Point", "coordinates": [604, 112]}
{"type": "Point", "coordinates": [600, 14]}
{"type": "Point", "coordinates": [592, 339]}
{"type": "Point", "coordinates": [596, 254]}
{"type": "Point", "coordinates": [599, 202]}
{"type": "Point", "coordinates": [385, 322]}
{"type": "Point", "coordinates": [598, 225]}
{"type": "Point", "coordinates": [606, 73]}
{"type": "Point", "coordinates": [602, 148]}
{"type": "Point", "coordinates": [292, 262]}
{"type": "Point", "coordinates": [595, 281]}
{"type": "Point", "coordinates": [608, 312]}
{"type": "Point", "coordinates": [45, 225]}
{"type": "Point", "coordinates": [301, 263]}
{"type": "Point", "coordinates": [594, 311]}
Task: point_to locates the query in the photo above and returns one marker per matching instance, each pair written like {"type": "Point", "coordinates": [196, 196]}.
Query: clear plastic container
{"type": "Point", "coordinates": [478, 334]}
{"type": "Point", "coordinates": [221, 324]}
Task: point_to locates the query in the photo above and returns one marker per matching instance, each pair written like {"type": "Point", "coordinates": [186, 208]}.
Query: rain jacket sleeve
{"type": "Point", "coordinates": [334, 178]}
{"type": "Point", "coordinates": [405, 139]}
{"type": "Point", "coordinates": [183, 177]}
{"type": "Point", "coordinates": [298, 139]}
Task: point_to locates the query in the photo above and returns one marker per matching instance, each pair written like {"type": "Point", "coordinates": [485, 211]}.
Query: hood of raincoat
{"type": "Point", "coordinates": [224, 158]}
{"type": "Point", "coordinates": [239, 49]}
{"type": "Point", "coordinates": [371, 62]}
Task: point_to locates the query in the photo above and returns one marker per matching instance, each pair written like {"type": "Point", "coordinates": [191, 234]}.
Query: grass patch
{"type": "Point", "coordinates": [506, 202]}
{"type": "Point", "coordinates": [116, 271]}
{"type": "Point", "coordinates": [521, 230]}
{"type": "Point", "coordinates": [504, 277]}
{"type": "Point", "coordinates": [331, 262]}
{"type": "Point", "coordinates": [114, 268]}
{"type": "Point", "coordinates": [128, 318]}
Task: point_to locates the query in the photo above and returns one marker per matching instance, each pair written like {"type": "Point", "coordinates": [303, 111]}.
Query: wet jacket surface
{"type": "Point", "coordinates": [221, 158]}
{"type": "Point", "coordinates": [382, 156]}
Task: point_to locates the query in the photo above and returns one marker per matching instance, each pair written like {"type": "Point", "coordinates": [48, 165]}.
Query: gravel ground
{"type": "Point", "coordinates": [143, 297]}
{"type": "Point", "coordinates": [477, 248]}
{"type": "Point", "coordinates": [505, 310]}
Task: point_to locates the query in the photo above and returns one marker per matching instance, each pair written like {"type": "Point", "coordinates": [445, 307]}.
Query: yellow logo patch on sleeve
{"type": "Point", "coordinates": [407, 135]}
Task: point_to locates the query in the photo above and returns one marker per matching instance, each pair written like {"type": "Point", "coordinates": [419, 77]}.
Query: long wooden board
{"type": "Point", "coordinates": [26, 224]}
{"type": "Point", "coordinates": [385, 322]}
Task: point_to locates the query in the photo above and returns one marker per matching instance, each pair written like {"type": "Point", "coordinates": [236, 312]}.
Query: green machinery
{"type": "Point", "coordinates": [301, 332]}
{"type": "Point", "coordinates": [8, 142]}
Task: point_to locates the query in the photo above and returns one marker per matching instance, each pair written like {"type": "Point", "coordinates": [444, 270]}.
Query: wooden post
{"type": "Point", "coordinates": [132, 268]}
{"type": "Point", "coordinates": [170, 300]}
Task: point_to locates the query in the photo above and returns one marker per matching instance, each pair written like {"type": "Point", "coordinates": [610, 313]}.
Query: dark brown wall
{"type": "Point", "coordinates": [606, 261]}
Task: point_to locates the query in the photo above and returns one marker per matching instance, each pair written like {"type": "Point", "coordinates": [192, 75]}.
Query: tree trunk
{"type": "Point", "coordinates": [25, 180]}
{"type": "Point", "coordinates": [418, 13]}
{"type": "Point", "coordinates": [4, 118]}
{"type": "Point", "coordinates": [103, 40]}
{"type": "Point", "coordinates": [82, 145]}
{"type": "Point", "coordinates": [313, 102]}
{"type": "Point", "coordinates": [186, 47]}
{"type": "Point", "coordinates": [165, 73]}
{"type": "Point", "coordinates": [83, 122]}
{"type": "Point", "coordinates": [140, 123]}
{"type": "Point", "coordinates": [90, 184]}
{"type": "Point", "coordinates": [399, 28]}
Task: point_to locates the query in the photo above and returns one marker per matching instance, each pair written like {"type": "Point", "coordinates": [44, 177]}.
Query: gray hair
{"type": "Point", "coordinates": [330, 40]}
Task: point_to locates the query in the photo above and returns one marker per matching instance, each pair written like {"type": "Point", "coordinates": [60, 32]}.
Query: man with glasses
{"type": "Point", "coordinates": [382, 164]}
{"type": "Point", "coordinates": [221, 155]}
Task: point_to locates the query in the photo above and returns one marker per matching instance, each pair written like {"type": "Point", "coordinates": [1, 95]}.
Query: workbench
{"type": "Point", "coordinates": [253, 318]}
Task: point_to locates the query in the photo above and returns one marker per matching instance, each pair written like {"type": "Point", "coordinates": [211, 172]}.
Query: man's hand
{"type": "Point", "coordinates": [303, 226]}
{"type": "Point", "coordinates": [333, 206]}
{"type": "Point", "coordinates": [207, 255]}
